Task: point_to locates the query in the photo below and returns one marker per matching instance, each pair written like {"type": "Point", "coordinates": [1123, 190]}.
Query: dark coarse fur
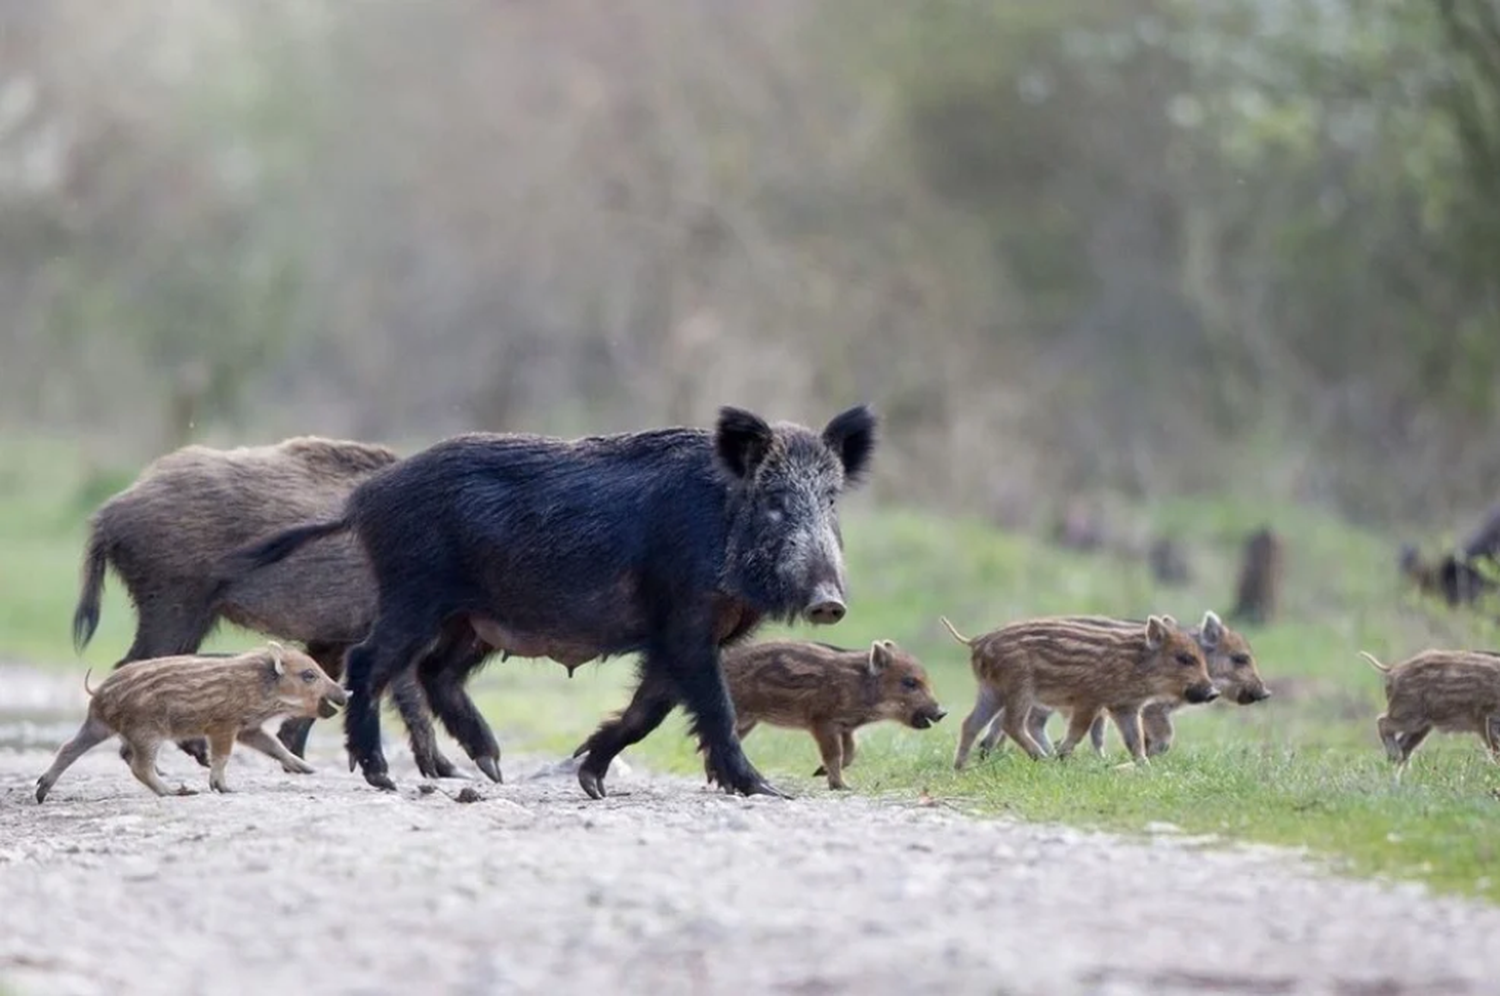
{"type": "Point", "coordinates": [669, 542]}
{"type": "Point", "coordinates": [1258, 594]}
{"type": "Point", "coordinates": [828, 691]}
{"type": "Point", "coordinates": [222, 699]}
{"type": "Point", "coordinates": [1231, 667]}
{"type": "Point", "coordinates": [1455, 691]}
{"type": "Point", "coordinates": [166, 533]}
{"type": "Point", "coordinates": [1082, 669]}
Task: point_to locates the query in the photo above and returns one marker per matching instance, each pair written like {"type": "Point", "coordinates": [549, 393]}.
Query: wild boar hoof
{"type": "Point", "coordinates": [820, 772]}
{"type": "Point", "coordinates": [437, 766]}
{"type": "Point", "coordinates": [593, 784]}
{"type": "Point", "coordinates": [840, 787]}
{"type": "Point", "coordinates": [762, 787]}
{"type": "Point", "coordinates": [491, 767]}
{"type": "Point", "coordinates": [380, 780]}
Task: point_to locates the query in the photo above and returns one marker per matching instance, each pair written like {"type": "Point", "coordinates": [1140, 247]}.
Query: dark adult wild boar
{"type": "Point", "coordinates": [1455, 691]}
{"type": "Point", "coordinates": [669, 542]}
{"type": "Point", "coordinates": [1231, 667]}
{"type": "Point", "coordinates": [224, 699]}
{"type": "Point", "coordinates": [1083, 669]}
{"type": "Point", "coordinates": [166, 533]}
{"type": "Point", "coordinates": [828, 691]}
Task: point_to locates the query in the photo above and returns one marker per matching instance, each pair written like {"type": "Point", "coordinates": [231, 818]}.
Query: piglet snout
{"type": "Point", "coordinates": [1199, 694]}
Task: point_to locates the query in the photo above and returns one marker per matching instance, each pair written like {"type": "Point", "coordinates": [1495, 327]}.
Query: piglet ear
{"type": "Point", "coordinates": [1156, 633]}
{"type": "Point", "coordinates": [851, 434]}
{"type": "Point", "coordinates": [1212, 629]}
{"type": "Point", "coordinates": [741, 440]}
{"type": "Point", "coordinates": [880, 656]}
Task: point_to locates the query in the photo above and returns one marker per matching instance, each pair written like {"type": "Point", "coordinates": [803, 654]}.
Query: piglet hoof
{"type": "Point", "coordinates": [840, 787]}
{"type": "Point", "coordinates": [196, 749]}
{"type": "Point", "coordinates": [820, 772]}
{"type": "Point", "coordinates": [184, 790]}
{"type": "Point", "coordinates": [491, 767]}
{"type": "Point", "coordinates": [297, 766]}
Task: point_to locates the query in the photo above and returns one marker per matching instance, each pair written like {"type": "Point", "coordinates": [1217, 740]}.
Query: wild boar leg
{"type": "Point", "coordinates": [832, 750]}
{"type": "Point", "coordinates": [1128, 722]}
{"type": "Point", "coordinates": [1492, 737]}
{"type": "Point", "coordinates": [442, 675]}
{"type": "Point", "coordinates": [393, 644]}
{"type": "Point", "coordinates": [90, 735]}
{"type": "Point", "coordinates": [688, 656]}
{"type": "Point", "coordinates": [986, 704]}
{"type": "Point", "coordinates": [258, 739]}
{"type": "Point", "coordinates": [412, 704]}
{"type": "Point", "coordinates": [652, 700]}
{"type": "Point", "coordinates": [143, 766]}
{"type": "Point", "coordinates": [1078, 728]}
{"type": "Point", "coordinates": [220, 744]}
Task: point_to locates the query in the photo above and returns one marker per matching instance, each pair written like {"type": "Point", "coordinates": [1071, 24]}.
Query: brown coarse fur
{"type": "Point", "coordinates": [1454, 691]}
{"type": "Point", "coordinates": [1231, 667]}
{"type": "Point", "coordinates": [1082, 669]}
{"type": "Point", "coordinates": [829, 692]}
{"type": "Point", "coordinates": [1258, 595]}
{"type": "Point", "coordinates": [222, 699]}
{"type": "Point", "coordinates": [166, 534]}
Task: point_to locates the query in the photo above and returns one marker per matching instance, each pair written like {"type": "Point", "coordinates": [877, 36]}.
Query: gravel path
{"type": "Point", "coordinates": [318, 884]}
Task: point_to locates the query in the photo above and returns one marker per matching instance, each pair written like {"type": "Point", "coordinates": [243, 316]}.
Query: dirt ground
{"type": "Point", "coordinates": [319, 884]}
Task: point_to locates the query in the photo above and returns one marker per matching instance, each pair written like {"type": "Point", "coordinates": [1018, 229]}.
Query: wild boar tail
{"type": "Point", "coordinates": [86, 687]}
{"type": "Point", "coordinates": [1374, 663]}
{"type": "Point", "coordinates": [236, 564]}
{"type": "Point", "coordinates": [86, 615]}
{"type": "Point", "coordinates": [956, 634]}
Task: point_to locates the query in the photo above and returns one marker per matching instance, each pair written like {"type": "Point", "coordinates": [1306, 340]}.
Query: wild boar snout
{"type": "Point", "coordinates": [1199, 694]}
{"type": "Point", "coordinates": [827, 606]}
{"type": "Point", "coordinates": [1250, 696]}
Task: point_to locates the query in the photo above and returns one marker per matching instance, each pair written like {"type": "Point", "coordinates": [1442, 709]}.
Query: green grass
{"type": "Point", "coordinates": [1303, 769]}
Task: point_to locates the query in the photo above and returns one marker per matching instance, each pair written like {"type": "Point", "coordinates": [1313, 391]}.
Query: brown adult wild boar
{"type": "Point", "coordinates": [829, 692]}
{"type": "Point", "coordinates": [1231, 667]}
{"type": "Point", "coordinates": [165, 534]}
{"type": "Point", "coordinates": [222, 699]}
{"type": "Point", "coordinates": [1455, 691]}
{"type": "Point", "coordinates": [1082, 669]}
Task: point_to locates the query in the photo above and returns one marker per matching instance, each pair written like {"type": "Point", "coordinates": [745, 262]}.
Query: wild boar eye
{"type": "Point", "coordinates": [909, 683]}
{"type": "Point", "coordinates": [1186, 660]}
{"type": "Point", "coordinates": [308, 677]}
{"type": "Point", "coordinates": [1239, 660]}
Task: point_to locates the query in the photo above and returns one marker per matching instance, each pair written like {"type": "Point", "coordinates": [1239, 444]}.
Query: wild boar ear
{"type": "Point", "coordinates": [1156, 632]}
{"type": "Point", "coordinates": [741, 440]}
{"type": "Point", "coordinates": [851, 434]}
{"type": "Point", "coordinates": [880, 656]}
{"type": "Point", "coordinates": [277, 665]}
{"type": "Point", "coordinates": [1212, 629]}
